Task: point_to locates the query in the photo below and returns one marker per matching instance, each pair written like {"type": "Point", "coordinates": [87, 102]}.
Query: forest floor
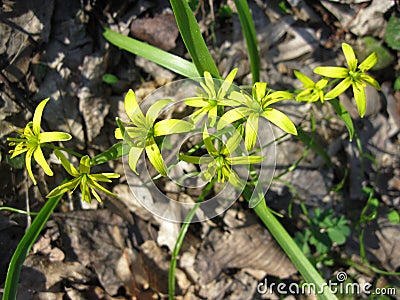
{"type": "Point", "coordinates": [118, 249]}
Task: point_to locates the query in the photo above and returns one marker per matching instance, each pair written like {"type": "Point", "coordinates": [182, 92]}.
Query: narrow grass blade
{"type": "Point", "coordinates": [292, 250]}
{"type": "Point", "coordinates": [249, 32]}
{"type": "Point", "coordinates": [344, 115]}
{"type": "Point", "coordinates": [14, 269]}
{"type": "Point", "coordinates": [154, 54]}
{"type": "Point", "coordinates": [191, 35]}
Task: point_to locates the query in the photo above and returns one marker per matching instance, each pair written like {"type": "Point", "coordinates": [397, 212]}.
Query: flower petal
{"type": "Point", "coordinates": [226, 84]}
{"type": "Point", "coordinates": [251, 131]}
{"type": "Point", "coordinates": [94, 193]}
{"type": "Point", "coordinates": [369, 62]}
{"type": "Point", "coordinates": [85, 189]}
{"type": "Point", "coordinates": [154, 110]}
{"type": "Point", "coordinates": [232, 143]}
{"type": "Point", "coordinates": [28, 164]}
{"type": "Point", "coordinates": [212, 115]}
{"type": "Point", "coordinates": [231, 116]}
{"type": "Point", "coordinates": [54, 136]}
{"type": "Point", "coordinates": [209, 86]}
{"type": "Point", "coordinates": [66, 164]}
{"type": "Point", "coordinates": [208, 142]}
{"type": "Point", "coordinates": [196, 102]}
{"type": "Point", "coordinates": [100, 187]}
{"type": "Point", "coordinates": [37, 116]}
{"type": "Point", "coordinates": [350, 56]}
{"type": "Point", "coordinates": [39, 157]}
{"type": "Point", "coordinates": [241, 98]}
{"type": "Point", "coordinates": [339, 89]}
{"type": "Point", "coordinates": [134, 155]}
{"type": "Point", "coordinates": [132, 106]}
{"type": "Point", "coordinates": [276, 97]}
{"type": "Point", "coordinates": [307, 81]}
{"type": "Point", "coordinates": [235, 181]}
{"type": "Point", "coordinates": [154, 155]}
{"type": "Point", "coordinates": [84, 165]}
{"type": "Point", "coordinates": [370, 80]}
{"type": "Point", "coordinates": [19, 149]}
{"type": "Point", "coordinates": [359, 96]}
{"type": "Point", "coordinates": [321, 84]}
{"type": "Point", "coordinates": [332, 72]}
{"type": "Point", "coordinates": [245, 160]}
{"type": "Point", "coordinates": [280, 119]}
{"type": "Point", "coordinates": [172, 126]}
{"type": "Point", "coordinates": [259, 90]}
{"type": "Point", "coordinates": [61, 189]}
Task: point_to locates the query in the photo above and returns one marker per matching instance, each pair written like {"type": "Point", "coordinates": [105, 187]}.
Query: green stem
{"type": "Point", "coordinates": [18, 258]}
{"type": "Point", "coordinates": [63, 149]}
{"type": "Point", "coordinates": [292, 250]}
{"type": "Point", "coordinates": [181, 237]}
{"type": "Point", "coordinates": [20, 211]}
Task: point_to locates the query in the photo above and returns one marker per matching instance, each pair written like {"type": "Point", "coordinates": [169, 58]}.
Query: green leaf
{"type": "Point", "coordinates": [191, 35]}
{"type": "Point", "coordinates": [154, 54]}
{"type": "Point", "coordinates": [249, 32]}
{"type": "Point", "coordinates": [393, 216]}
{"type": "Point", "coordinates": [392, 35]}
{"type": "Point", "coordinates": [17, 162]}
{"type": "Point", "coordinates": [24, 246]}
{"type": "Point", "coordinates": [396, 84]}
{"type": "Point", "coordinates": [110, 78]}
{"type": "Point", "coordinates": [115, 151]}
{"type": "Point", "coordinates": [385, 58]}
{"type": "Point", "coordinates": [344, 115]}
{"type": "Point", "coordinates": [336, 235]}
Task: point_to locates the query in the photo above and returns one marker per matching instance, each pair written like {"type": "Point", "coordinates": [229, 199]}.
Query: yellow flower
{"type": "Point", "coordinates": [31, 139]}
{"type": "Point", "coordinates": [313, 91]}
{"type": "Point", "coordinates": [221, 159]}
{"type": "Point", "coordinates": [210, 99]}
{"type": "Point", "coordinates": [141, 135]}
{"type": "Point", "coordinates": [354, 76]}
{"type": "Point", "coordinates": [87, 182]}
{"type": "Point", "coordinates": [255, 107]}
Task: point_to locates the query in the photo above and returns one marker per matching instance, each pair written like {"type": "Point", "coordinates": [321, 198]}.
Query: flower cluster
{"type": "Point", "coordinates": [354, 76]}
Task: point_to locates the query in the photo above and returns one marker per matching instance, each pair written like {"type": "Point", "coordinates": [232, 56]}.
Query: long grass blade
{"type": "Point", "coordinates": [165, 59]}
{"type": "Point", "coordinates": [191, 35]}
{"type": "Point", "coordinates": [24, 246]}
{"type": "Point", "coordinates": [303, 265]}
{"type": "Point", "coordinates": [249, 32]}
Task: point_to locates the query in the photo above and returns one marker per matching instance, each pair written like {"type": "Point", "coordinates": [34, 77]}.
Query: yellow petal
{"type": "Point", "coordinates": [226, 84]}
{"type": "Point", "coordinates": [209, 86]}
{"type": "Point", "coordinates": [66, 164]}
{"type": "Point", "coordinates": [84, 165]}
{"type": "Point", "coordinates": [359, 96]}
{"type": "Point", "coordinates": [350, 56]}
{"type": "Point", "coordinates": [132, 107]}
{"type": "Point", "coordinates": [369, 62]}
{"type": "Point", "coordinates": [134, 155]}
{"type": "Point", "coordinates": [172, 126]}
{"type": "Point", "coordinates": [37, 116]}
{"type": "Point", "coordinates": [154, 110]}
{"type": "Point", "coordinates": [154, 155]}
{"type": "Point", "coordinates": [307, 81]}
{"type": "Point", "coordinates": [371, 81]}
{"type": "Point", "coordinates": [281, 120]}
{"type": "Point", "coordinates": [39, 157]}
{"type": "Point", "coordinates": [54, 136]}
{"type": "Point", "coordinates": [251, 131]}
{"type": "Point", "coordinates": [28, 164]}
{"type": "Point", "coordinates": [231, 116]}
{"type": "Point", "coordinates": [332, 72]}
{"type": "Point", "coordinates": [339, 89]}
